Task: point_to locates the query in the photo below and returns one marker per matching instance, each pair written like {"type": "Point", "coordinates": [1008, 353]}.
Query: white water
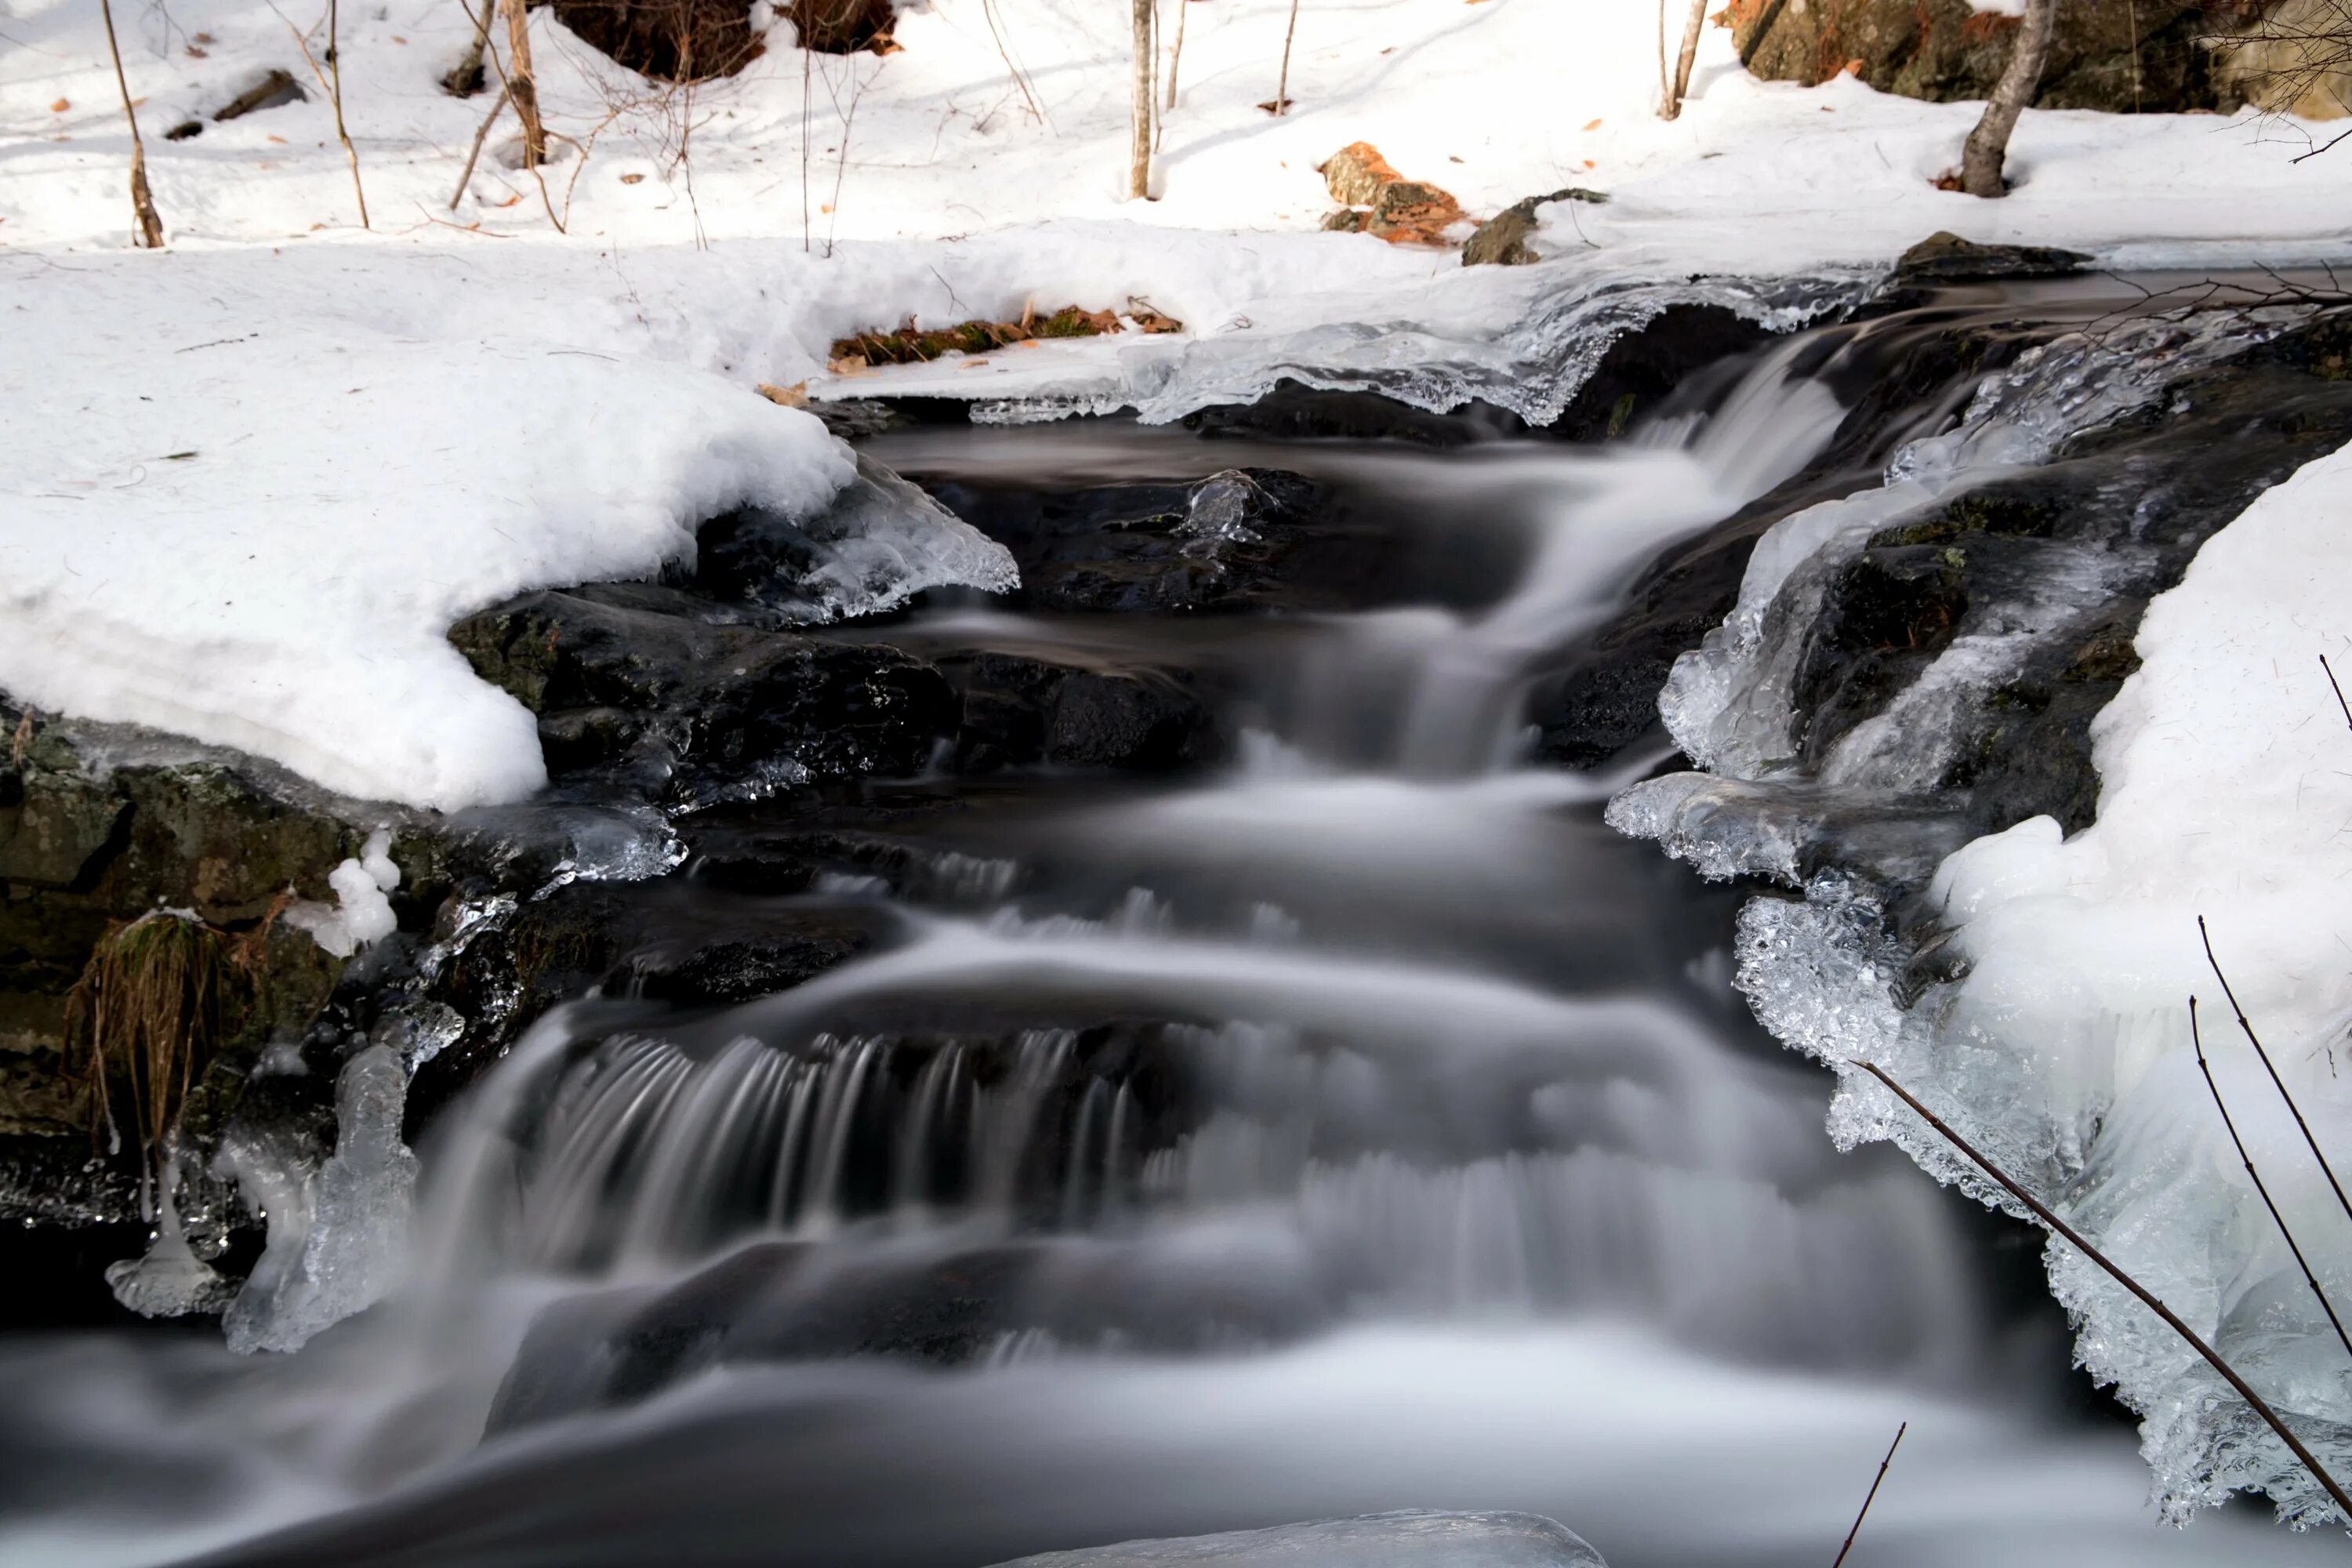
{"type": "Point", "coordinates": [1491, 1201]}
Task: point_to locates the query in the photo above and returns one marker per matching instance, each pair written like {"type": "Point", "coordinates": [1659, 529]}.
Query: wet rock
{"type": "Point", "coordinates": [1502, 240]}
{"type": "Point", "coordinates": [1294, 411]}
{"type": "Point", "coordinates": [1946, 257]}
{"type": "Point", "coordinates": [1230, 541]}
{"type": "Point", "coordinates": [1018, 711]}
{"type": "Point", "coordinates": [655, 686]}
{"type": "Point", "coordinates": [2148, 58]}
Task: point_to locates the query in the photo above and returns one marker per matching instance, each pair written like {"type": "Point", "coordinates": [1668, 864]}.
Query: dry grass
{"type": "Point", "coordinates": [146, 1014]}
{"type": "Point", "coordinates": [911, 344]}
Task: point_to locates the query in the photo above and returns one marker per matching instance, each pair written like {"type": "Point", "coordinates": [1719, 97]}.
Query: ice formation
{"type": "Point", "coordinates": [362, 913]}
{"type": "Point", "coordinates": [2051, 1024]}
{"type": "Point", "coordinates": [338, 1236]}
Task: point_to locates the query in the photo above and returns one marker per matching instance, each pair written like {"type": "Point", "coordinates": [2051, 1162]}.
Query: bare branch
{"type": "Point", "coordinates": [2293, 1109]}
{"type": "Point", "coordinates": [1871, 1497]}
{"type": "Point", "coordinates": [150, 229]}
{"type": "Point", "coordinates": [2260, 1405]}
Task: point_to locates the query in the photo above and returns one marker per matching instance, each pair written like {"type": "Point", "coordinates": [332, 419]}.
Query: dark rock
{"type": "Point", "coordinates": [1945, 258]}
{"type": "Point", "coordinates": [1502, 240]}
{"type": "Point", "coordinates": [2143, 57]}
{"type": "Point", "coordinates": [651, 683]}
{"type": "Point", "coordinates": [669, 40]}
{"type": "Point", "coordinates": [1018, 711]}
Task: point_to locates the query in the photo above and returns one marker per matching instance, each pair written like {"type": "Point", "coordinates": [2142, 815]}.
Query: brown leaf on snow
{"type": "Point", "coordinates": [793, 396]}
{"type": "Point", "coordinates": [60, 106]}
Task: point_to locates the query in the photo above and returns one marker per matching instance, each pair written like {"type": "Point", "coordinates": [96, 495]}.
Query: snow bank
{"type": "Point", "coordinates": [2065, 1050]}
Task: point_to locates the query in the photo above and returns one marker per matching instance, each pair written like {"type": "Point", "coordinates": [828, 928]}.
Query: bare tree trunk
{"type": "Point", "coordinates": [150, 230]}
{"type": "Point", "coordinates": [335, 69]}
{"type": "Point", "coordinates": [1987, 145]}
{"type": "Point", "coordinates": [1175, 55]}
{"type": "Point", "coordinates": [467, 77]}
{"type": "Point", "coordinates": [1282, 87]}
{"type": "Point", "coordinates": [522, 87]}
{"type": "Point", "coordinates": [1672, 106]}
{"type": "Point", "coordinates": [1139, 167]}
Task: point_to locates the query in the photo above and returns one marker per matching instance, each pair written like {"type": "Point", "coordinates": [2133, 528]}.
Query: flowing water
{"type": "Point", "coordinates": [1361, 1125]}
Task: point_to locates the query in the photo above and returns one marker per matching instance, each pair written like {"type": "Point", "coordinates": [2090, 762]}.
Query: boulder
{"type": "Point", "coordinates": [1502, 240]}
{"type": "Point", "coordinates": [1946, 257]}
{"type": "Point", "coordinates": [1376, 199]}
{"type": "Point", "coordinates": [2120, 55]}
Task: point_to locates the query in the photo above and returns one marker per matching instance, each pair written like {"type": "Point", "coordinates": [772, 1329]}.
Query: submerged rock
{"type": "Point", "coordinates": [1412, 1538]}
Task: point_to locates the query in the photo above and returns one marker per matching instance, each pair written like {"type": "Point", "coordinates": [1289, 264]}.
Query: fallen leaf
{"type": "Point", "coordinates": [197, 54]}
{"type": "Point", "coordinates": [793, 396]}
{"type": "Point", "coordinates": [847, 365]}
{"type": "Point", "coordinates": [60, 106]}
{"type": "Point", "coordinates": [280, 140]}
{"type": "Point", "coordinates": [509, 201]}
{"type": "Point", "coordinates": [632, 179]}
{"type": "Point", "coordinates": [398, 39]}
{"type": "Point", "coordinates": [1590, 164]}
{"type": "Point", "coordinates": [207, 39]}
{"type": "Point", "coordinates": [975, 364]}
{"type": "Point", "coordinates": [824, 206]}
{"type": "Point", "coordinates": [1592, 125]}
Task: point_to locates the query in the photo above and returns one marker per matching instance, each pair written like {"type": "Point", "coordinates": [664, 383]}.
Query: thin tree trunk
{"type": "Point", "coordinates": [474, 153]}
{"type": "Point", "coordinates": [1138, 165]}
{"type": "Point", "coordinates": [1987, 145]}
{"type": "Point", "coordinates": [521, 86]}
{"type": "Point", "coordinates": [150, 229]}
{"type": "Point", "coordinates": [1681, 84]}
{"type": "Point", "coordinates": [1175, 55]}
{"type": "Point", "coordinates": [1282, 87]}
{"type": "Point", "coordinates": [335, 70]}
{"type": "Point", "coordinates": [467, 77]}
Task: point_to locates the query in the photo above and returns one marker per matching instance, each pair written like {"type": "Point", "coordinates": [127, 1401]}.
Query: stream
{"type": "Point", "coordinates": [1345, 1120]}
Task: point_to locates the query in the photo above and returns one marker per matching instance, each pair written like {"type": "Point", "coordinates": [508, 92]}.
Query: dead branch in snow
{"type": "Point", "coordinates": [335, 65]}
{"type": "Point", "coordinates": [1680, 85]}
{"type": "Point", "coordinates": [149, 229]}
{"type": "Point", "coordinates": [474, 153]}
{"type": "Point", "coordinates": [2195, 1341]}
{"type": "Point", "coordinates": [2326, 1306]}
{"type": "Point", "coordinates": [1281, 104]}
{"type": "Point", "coordinates": [1175, 57]}
{"type": "Point", "coordinates": [1988, 145]}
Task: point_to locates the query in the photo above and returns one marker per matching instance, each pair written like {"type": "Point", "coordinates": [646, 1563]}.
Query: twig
{"type": "Point", "coordinates": [1175, 55]}
{"type": "Point", "coordinates": [474, 153]}
{"type": "Point", "coordinates": [2293, 1109]}
{"type": "Point", "coordinates": [2337, 690]}
{"type": "Point", "coordinates": [1871, 1496]}
{"type": "Point", "coordinates": [808, 100]}
{"type": "Point", "coordinates": [1020, 77]}
{"type": "Point", "coordinates": [142, 199]}
{"type": "Point", "coordinates": [2260, 1405]}
{"type": "Point", "coordinates": [529, 94]}
{"type": "Point", "coordinates": [335, 63]}
{"type": "Point", "coordinates": [2326, 1306]}
{"type": "Point", "coordinates": [1282, 84]}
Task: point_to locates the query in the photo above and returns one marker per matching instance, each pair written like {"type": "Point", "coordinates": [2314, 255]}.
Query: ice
{"type": "Point", "coordinates": [2050, 1026]}
{"type": "Point", "coordinates": [337, 1237]}
{"type": "Point", "coordinates": [361, 914]}
{"type": "Point", "coordinates": [168, 1280]}
{"type": "Point", "coordinates": [1415, 1537]}
{"type": "Point", "coordinates": [882, 542]}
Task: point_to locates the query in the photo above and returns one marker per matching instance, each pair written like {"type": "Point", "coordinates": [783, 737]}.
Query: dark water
{"type": "Point", "coordinates": [1358, 1124]}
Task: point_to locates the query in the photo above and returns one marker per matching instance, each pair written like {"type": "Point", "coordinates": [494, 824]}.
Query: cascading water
{"type": "Point", "coordinates": [1365, 1126]}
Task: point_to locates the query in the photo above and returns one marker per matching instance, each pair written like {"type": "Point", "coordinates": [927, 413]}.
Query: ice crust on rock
{"type": "Point", "coordinates": [1412, 1538]}
{"type": "Point", "coordinates": [882, 542]}
{"type": "Point", "coordinates": [2048, 1022]}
